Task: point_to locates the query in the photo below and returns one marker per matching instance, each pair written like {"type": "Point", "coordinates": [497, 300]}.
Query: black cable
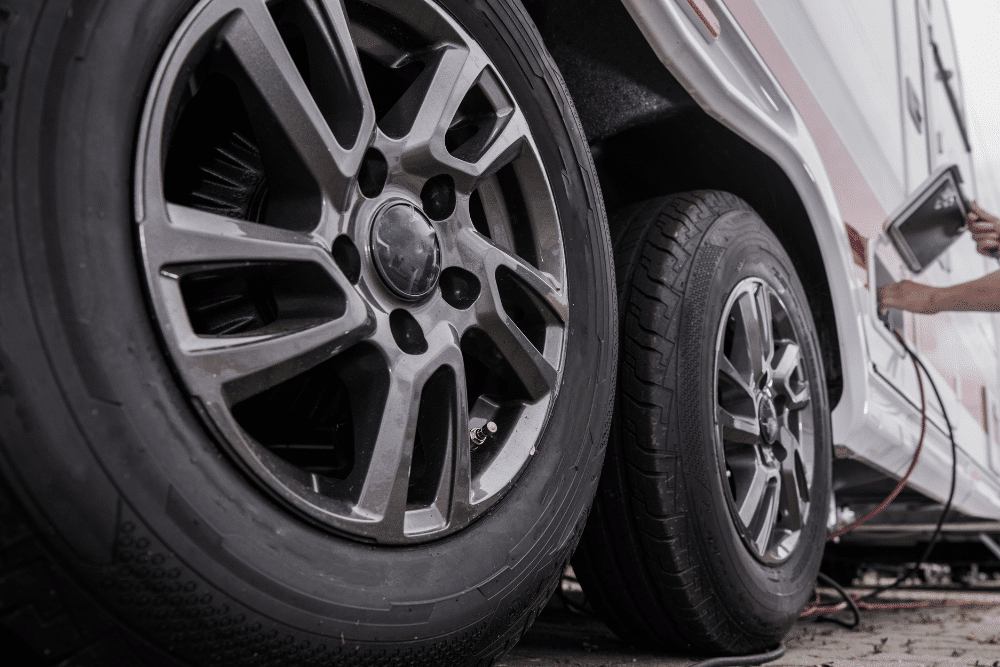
{"type": "Point", "coordinates": [941, 519]}
{"type": "Point", "coordinates": [951, 493]}
{"type": "Point", "coordinates": [742, 660]}
{"type": "Point", "coordinates": [850, 603]}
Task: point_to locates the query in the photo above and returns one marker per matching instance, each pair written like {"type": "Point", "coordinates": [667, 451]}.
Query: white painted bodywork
{"type": "Point", "coordinates": [845, 62]}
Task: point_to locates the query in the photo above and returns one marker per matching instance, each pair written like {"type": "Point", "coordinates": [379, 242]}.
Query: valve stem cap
{"type": "Point", "coordinates": [478, 435]}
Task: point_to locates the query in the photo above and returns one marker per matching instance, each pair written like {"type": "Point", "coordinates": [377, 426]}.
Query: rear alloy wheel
{"type": "Point", "coordinates": [709, 524]}
{"type": "Point", "coordinates": [309, 339]}
{"type": "Point", "coordinates": [764, 419]}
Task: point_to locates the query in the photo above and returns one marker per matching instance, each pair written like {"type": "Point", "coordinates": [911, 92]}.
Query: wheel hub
{"type": "Point", "coordinates": [767, 414]}
{"type": "Point", "coordinates": [405, 250]}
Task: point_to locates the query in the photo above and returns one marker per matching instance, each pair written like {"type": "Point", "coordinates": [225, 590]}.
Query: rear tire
{"type": "Point", "coordinates": [680, 551]}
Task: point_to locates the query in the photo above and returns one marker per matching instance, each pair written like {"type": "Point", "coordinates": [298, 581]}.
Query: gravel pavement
{"type": "Point", "coordinates": [965, 633]}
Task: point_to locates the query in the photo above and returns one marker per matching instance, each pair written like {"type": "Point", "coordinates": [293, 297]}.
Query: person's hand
{"type": "Point", "coordinates": [985, 229]}
{"type": "Point", "coordinates": [907, 295]}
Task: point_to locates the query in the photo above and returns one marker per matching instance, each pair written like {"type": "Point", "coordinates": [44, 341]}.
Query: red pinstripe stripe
{"type": "Point", "coordinates": [855, 198]}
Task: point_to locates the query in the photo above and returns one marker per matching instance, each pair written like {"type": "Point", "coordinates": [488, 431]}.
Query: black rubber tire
{"type": "Point", "coordinates": [127, 537]}
{"type": "Point", "coordinates": [661, 559]}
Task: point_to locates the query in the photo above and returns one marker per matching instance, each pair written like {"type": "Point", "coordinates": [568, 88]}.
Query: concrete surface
{"type": "Point", "coordinates": [965, 633]}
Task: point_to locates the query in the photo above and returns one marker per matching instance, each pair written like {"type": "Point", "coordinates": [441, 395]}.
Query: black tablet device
{"type": "Point", "coordinates": [930, 220]}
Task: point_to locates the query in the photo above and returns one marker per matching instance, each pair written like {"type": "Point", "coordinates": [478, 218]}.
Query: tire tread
{"type": "Point", "coordinates": [636, 562]}
{"type": "Point", "coordinates": [42, 611]}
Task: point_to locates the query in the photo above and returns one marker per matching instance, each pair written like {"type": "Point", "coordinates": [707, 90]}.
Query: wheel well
{"type": "Point", "coordinates": [649, 138]}
{"type": "Point", "coordinates": [694, 152]}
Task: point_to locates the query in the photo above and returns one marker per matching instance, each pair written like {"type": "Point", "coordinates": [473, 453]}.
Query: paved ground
{"type": "Point", "coordinates": [957, 636]}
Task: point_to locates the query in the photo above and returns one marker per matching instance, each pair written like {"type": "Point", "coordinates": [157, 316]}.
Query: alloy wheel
{"type": "Point", "coordinates": [764, 420]}
{"type": "Point", "coordinates": [354, 258]}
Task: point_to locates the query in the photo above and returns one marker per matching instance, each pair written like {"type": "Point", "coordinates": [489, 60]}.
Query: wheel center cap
{"type": "Point", "coordinates": [768, 417]}
{"type": "Point", "coordinates": [406, 250]}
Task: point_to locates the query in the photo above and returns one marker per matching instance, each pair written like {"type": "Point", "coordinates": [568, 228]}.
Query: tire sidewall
{"type": "Point", "coordinates": [140, 431]}
{"type": "Point", "coordinates": [738, 246]}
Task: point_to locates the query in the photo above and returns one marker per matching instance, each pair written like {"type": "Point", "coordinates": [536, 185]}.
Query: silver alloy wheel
{"type": "Point", "coordinates": [344, 367]}
{"type": "Point", "coordinates": [764, 420]}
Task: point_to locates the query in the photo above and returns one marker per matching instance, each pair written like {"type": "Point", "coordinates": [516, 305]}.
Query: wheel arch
{"type": "Point", "coordinates": [635, 112]}
{"type": "Point", "coordinates": [704, 155]}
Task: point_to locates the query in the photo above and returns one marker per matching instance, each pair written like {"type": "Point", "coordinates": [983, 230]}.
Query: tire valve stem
{"type": "Point", "coordinates": [479, 435]}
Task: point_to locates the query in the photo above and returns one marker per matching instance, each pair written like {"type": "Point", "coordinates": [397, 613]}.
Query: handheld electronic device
{"type": "Point", "coordinates": [930, 220]}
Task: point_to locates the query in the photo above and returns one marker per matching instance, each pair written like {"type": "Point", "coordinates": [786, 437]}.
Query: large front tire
{"type": "Point", "coordinates": [200, 340]}
{"type": "Point", "coordinates": [708, 528]}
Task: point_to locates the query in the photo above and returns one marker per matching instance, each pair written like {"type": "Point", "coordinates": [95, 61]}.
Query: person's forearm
{"type": "Point", "coordinates": [979, 294]}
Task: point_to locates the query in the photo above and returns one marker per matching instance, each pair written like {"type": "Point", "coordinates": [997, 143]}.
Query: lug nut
{"type": "Point", "coordinates": [479, 435]}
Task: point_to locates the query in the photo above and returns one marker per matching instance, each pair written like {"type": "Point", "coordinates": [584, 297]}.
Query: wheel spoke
{"type": "Point", "coordinates": [504, 145]}
{"type": "Point", "coordinates": [440, 90]}
{"type": "Point", "coordinates": [736, 428]}
{"type": "Point", "coordinates": [786, 361]}
{"type": "Point", "coordinates": [734, 376]}
{"type": "Point", "coordinates": [340, 43]}
{"type": "Point", "coordinates": [383, 497]}
{"type": "Point", "coordinates": [426, 109]}
{"type": "Point", "coordinates": [277, 86]}
{"type": "Point", "coordinates": [384, 493]}
{"type": "Point", "coordinates": [459, 475]}
{"type": "Point", "coordinates": [461, 494]}
{"type": "Point", "coordinates": [536, 372]}
{"type": "Point", "coordinates": [494, 206]}
{"type": "Point", "coordinates": [792, 461]}
{"type": "Point", "coordinates": [794, 484]}
{"type": "Point", "coordinates": [452, 499]}
{"type": "Point", "coordinates": [235, 368]}
{"type": "Point", "coordinates": [788, 442]}
{"type": "Point", "coordinates": [190, 236]}
{"type": "Point", "coordinates": [791, 496]}
{"type": "Point", "coordinates": [755, 495]}
{"type": "Point", "coordinates": [762, 299]}
{"type": "Point", "coordinates": [752, 351]}
{"type": "Point", "coordinates": [186, 238]}
{"type": "Point", "coordinates": [757, 508]}
{"type": "Point", "coordinates": [767, 515]}
{"type": "Point", "coordinates": [482, 257]}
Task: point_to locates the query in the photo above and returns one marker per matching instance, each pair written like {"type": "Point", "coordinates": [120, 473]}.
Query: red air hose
{"type": "Point", "coordinates": [861, 602]}
{"type": "Point", "coordinates": [913, 463]}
